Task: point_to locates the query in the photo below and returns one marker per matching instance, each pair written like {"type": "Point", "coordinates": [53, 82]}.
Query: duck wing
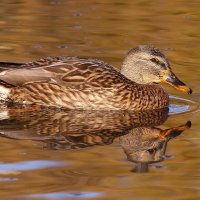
{"type": "Point", "coordinates": [20, 74]}
{"type": "Point", "coordinates": [66, 71]}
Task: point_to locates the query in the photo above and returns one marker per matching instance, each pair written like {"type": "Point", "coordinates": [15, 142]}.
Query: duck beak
{"type": "Point", "coordinates": [175, 82]}
{"type": "Point", "coordinates": [174, 132]}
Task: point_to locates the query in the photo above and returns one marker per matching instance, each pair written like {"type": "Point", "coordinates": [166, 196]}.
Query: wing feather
{"type": "Point", "coordinates": [66, 71]}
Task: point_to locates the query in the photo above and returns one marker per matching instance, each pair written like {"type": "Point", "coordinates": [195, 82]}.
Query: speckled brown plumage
{"type": "Point", "coordinates": [80, 83]}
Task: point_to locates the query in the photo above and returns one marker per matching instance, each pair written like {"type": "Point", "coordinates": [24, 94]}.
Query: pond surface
{"type": "Point", "coordinates": [51, 154]}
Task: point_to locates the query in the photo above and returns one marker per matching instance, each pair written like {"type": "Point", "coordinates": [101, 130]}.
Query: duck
{"type": "Point", "coordinates": [90, 84]}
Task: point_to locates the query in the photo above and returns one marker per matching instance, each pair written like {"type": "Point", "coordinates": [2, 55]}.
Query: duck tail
{"type": "Point", "coordinates": [4, 84]}
{"type": "Point", "coordinates": [4, 66]}
{"type": "Point", "coordinates": [8, 65]}
{"type": "Point", "coordinates": [5, 87]}
{"type": "Point", "coordinates": [4, 90]}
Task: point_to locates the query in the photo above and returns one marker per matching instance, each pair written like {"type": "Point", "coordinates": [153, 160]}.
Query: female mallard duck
{"type": "Point", "coordinates": [81, 83]}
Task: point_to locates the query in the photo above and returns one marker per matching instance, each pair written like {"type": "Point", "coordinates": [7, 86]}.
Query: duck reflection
{"type": "Point", "coordinates": [146, 145]}
{"type": "Point", "coordinates": [141, 141]}
{"type": "Point", "coordinates": [75, 129]}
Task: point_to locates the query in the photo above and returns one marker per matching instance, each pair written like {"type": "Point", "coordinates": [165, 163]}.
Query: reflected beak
{"type": "Point", "coordinates": [174, 81]}
{"type": "Point", "coordinates": [174, 132]}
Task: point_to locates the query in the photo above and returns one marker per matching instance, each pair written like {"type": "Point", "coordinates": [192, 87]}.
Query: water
{"type": "Point", "coordinates": [90, 162]}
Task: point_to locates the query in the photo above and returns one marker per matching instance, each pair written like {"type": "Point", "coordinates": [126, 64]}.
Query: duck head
{"type": "Point", "coordinates": [146, 64]}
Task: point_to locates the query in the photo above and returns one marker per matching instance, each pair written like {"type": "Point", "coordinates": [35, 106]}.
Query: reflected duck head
{"type": "Point", "coordinates": [146, 64]}
{"type": "Point", "coordinates": [145, 145]}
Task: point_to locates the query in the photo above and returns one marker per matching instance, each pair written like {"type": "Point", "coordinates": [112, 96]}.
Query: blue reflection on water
{"type": "Point", "coordinates": [180, 105]}
{"type": "Point", "coordinates": [8, 179]}
{"type": "Point", "coordinates": [29, 165]}
{"type": "Point", "coordinates": [64, 195]}
{"type": "Point", "coordinates": [175, 109]}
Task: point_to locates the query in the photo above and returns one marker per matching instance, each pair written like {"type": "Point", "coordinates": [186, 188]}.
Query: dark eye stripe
{"type": "Point", "coordinates": [155, 60]}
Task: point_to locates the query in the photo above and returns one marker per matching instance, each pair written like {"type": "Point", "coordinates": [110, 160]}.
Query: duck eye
{"type": "Point", "coordinates": [155, 60]}
{"type": "Point", "coordinates": [163, 65]}
{"type": "Point", "coordinates": [151, 151]}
